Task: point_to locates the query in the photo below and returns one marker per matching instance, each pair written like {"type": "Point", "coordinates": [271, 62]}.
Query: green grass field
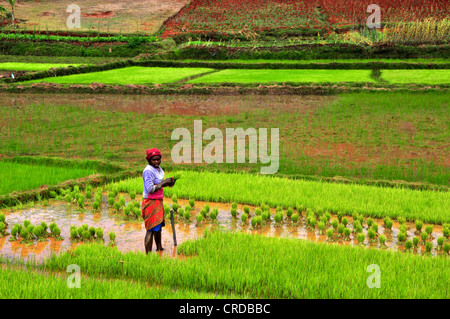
{"type": "Point", "coordinates": [22, 177]}
{"type": "Point", "coordinates": [416, 76]}
{"type": "Point", "coordinates": [129, 75]}
{"type": "Point", "coordinates": [24, 66]}
{"type": "Point", "coordinates": [268, 267]}
{"type": "Point", "coordinates": [269, 76]}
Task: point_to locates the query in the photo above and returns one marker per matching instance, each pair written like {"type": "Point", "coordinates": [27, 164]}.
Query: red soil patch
{"type": "Point", "coordinates": [99, 15]}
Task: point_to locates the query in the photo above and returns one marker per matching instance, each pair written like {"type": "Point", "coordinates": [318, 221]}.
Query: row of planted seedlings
{"type": "Point", "coordinates": [28, 232]}
{"type": "Point", "coordinates": [84, 234]}
{"type": "Point", "coordinates": [184, 213]}
{"type": "Point", "coordinates": [363, 230]}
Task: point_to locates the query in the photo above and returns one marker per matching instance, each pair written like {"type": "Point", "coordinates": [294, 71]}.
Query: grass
{"type": "Point", "coordinates": [129, 75]}
{"type": "Point", "coordinates": [21, 177]}
{"type": "Point", "coordinates": [29, 284]}
{"type": "Point", "coordinates": [24, 66]}
{"type": "Point", "coordinates": [416, 76]}
{"type": "Point", "coordinates": [57, 59]}
{"type": "Point", "coordinates": [269, 267]}
{"type": "Point", "coordinates": [251, 189]}
{"type": "Point", "coordinates": [387, 136]}
{"type": "Point", "coordinates": [444, 61]}
{"type": "Point", "coordinates": [268, 76]}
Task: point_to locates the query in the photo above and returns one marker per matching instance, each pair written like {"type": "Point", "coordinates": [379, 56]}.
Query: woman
{"type": "Point", "coordinates": [152, 201]}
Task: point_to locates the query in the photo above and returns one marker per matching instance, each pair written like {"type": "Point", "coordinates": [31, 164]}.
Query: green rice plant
{"type": "Point", "coordinates": [340, 229]}
{"type": "Point", "coordinates": [447, 247]}
{"type": "Point", "coordinates": [335, 224]}
{"type": "Point", "coordinates": [246, 210]}
{"type": "Point", "coordinates": [112, 237]}
{"type": "Point", "coordinates": [96, 205]}
{"type": "Point", "coordinates": [88, 193]}
{"type": "Point", "coordinates": [14, 231]}
{"type": "Point", "coordinates": [258, 220]}
{"type": "Point", "coordinates": [375, 227]}
{"type": "Point", "coordinates": [132, 194]}
{"type": "Point", "coordinates": [174, 199]}
{"type": "Point", "coordinates": [429, 230]}
{"type": "Point", "coordinates": [92, 231]}
{"type": "Point", "coordinates": [111, 201]}
{"type": "Point", "coordinates": [312, 221]}
{"type": "Point", "coordinates": [382, 239]}
{"type": "Point", "coordinates": [361, 238]}
{"type": "Point", "coordinates": [446, 232]}
{"type": "Point", "coordinates": [181, 211]}
{"type": "Point", "coordinates": [199, 218]}
{"type": "Point", "coordinates": [214, 214]}
{"type": "Point", "coordinates": [117, 206]}
{"type": "Point", "coordinates": [192, 203]}
{"type": "Point", "coordinates": [428, 247]}
{"type": "Point", "coordinates": [403, 228]}
{"type": "Point", "coordinates": [73, 233]}
{"type": "Point", "coordinates": [2, 229]}
{"type": "Point", "coordinates": [289, 212]}
{"type": "Point", "coordinates": [440, 241]}
{"type": "Point", "coordinates": [24, 233]}
{"type": "Point", "coordinates": [323, 219]}
{"type": "Point", "coordinates": [278, 218]}
{"type": "Point", "coordinates": [253, 221]}
{"type": "Point", "coordinates": [401, 220]}
{"type": "Point", "coordinates": [111, 194]}
{"type": "Point", "coordinates": [26, 223]}
{"type": "Point", "coordinates": [2, 217]}
{"type": "Point", "coordinates": [424, 237]}
{"type": "Point", "coordinates": [321, 227]}
{"type": "Point", "coordinates": [233, 212]}
{"type": "Point", "coordinates": [370, 222]}
{"type": "Point", "coordinates": [244, 217]}
{"type": "Point", "coordinates": [234, 205]}
{"type": "Point", "coordinates": [355, 215]}
{"type": "Point", "coordinates": [330, 234]}
{"type": "Point", "coordinates": [415, 241]}
{"type": "Point", "coordinates": [137, 212]}
{"type": "Point", "coordinates": [204, 212]}
{"type": "Point", "coordinates": [121, 201]}
{"type": "Point", "coordinates": [81, 201]}
{"type": "Point", "coordinates": [187, 214]}
{"type": "Point", "coordinates": [345, 221]}
{"type": "Point", "coordinates": [85, 235]}
{"type": "Point", "coordinates": [99, 233]}
{"type": "Point", "coordinates": [340, 214]}
{"type": "Point", "coordinates": [57, 233]}
{"type": "Point", "coordinates": [279, 209]}
{"type": "Point", "coordinates": [207, 208]}
{"type": "Point", "coordinates": [295, 217]}
{"type": "Point", "coordinates": [175, 207]}
{"type": "Point", "coordinates": [408, 244]}
{"type": "Point", "coordinates": [347, 233]}
{"type": "Point", "coordinates": [371, 234]}
{"type": "Point", "coordinates": [361, 220]}
{"type": "Point", "coordinates": [401, 236]}
{"type": "Point", "coordinates": [388, 224]}
{"type": "Point", "coordinates": [258, 211]}
{"type": "Point", "coordinates": [358, 229]}
{"type": "Point", "coordinates": [419, 225]}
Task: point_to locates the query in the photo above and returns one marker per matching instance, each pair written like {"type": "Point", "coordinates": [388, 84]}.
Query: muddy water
{"type": "Point", "coordinates": [130, 234]}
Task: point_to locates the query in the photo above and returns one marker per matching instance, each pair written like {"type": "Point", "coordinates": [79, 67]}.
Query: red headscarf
{"type": "Point", "coordinates": [152, 152]}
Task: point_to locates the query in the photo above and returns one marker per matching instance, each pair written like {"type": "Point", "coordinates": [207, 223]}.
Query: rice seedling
{"type": "Point", "coordinates": [388, 224]}
{"type": "Point", "coordinates": [419, 225]}
{"type": "Point", "coordinates": [447, 247]}
{"type": "Point", "coordinates": [96, 205]}
{"type": "Point", "coordinates": [429, 230]}
{"type": "Point", "coordinates": [279, 209]}
{"type": "Point", "coordinates": [258, 211]}
{"type": "Point", "coordinates": [181, 211]}
{"type": "Point", "coordinates": [382, 239]}
{"type": "Point", "coordinates": [81, 201]}
{"type": "Point", "coordinates": [429, 247]}
{"type": "Point", "coordinates": [401, 236]}
{"type": "Point", "coordinates": [361, 237]}
{"type": "Point", "coordinates": [345, 221]}
{"type": "Point", "coordinates": [111, 201]}
{"type": "Point", "coordinates": [174, 199]}
{"type": "Point", "coordinates": [258, 220]}
{"type": "Point", "coordinates": [370, 222]}
{"type": "Point", "coordinates": [424, 237]}
{"type": "Point", "coordinates": [14, 232]}
{"type": "Point", "coordinates": [2, 217]}
{"type": "Point", "coordinates": [330, 234]}
{"type": "Point", "coordinates": [446, 231]}
{"type": "Point", "coordinates": [26, 223]}
{"type": "Point", "coordinates": [335, 224]}
{"type": "Point", "coordinates": [204, 212]}
{"type": "Point", "coordinates": [214, 214]}
{"type": "Point", "coordinates": [289, 212]}
{"type": "Point", "coordinates": [73, 233]}
{"type": "Point", "coordinates": [401, 220]}
{"type": "Point", "coordinates": [207, 208]}
{"type": "Point", "coordinates": [440, 241]}
{"type": "Point", "coordinates": [233, 213]}
{"type": "Point", "coordinates": [253, 222]}
{"type": "Point", "coordinates": [403, 228]}
{"type": "Point", "coordinates": [121, 201]}
{"type": "Point", "coordinates": [187, 214]}
{"type": "Point", "coordinates": [234, 205]}
{"type": "Point", "coordinates": [340, 229]}
{"type": "Point", "coordinates": [199, 218]}
{"type": "Point", "coordinates": [347, 233]}
{"type": "Point", "coordinates": [295, 217]}
{"type": "Point", "coordinates": [278, 218]}
{"type": "Point", "coordinates": [192, 203]}
{"type": "Point", "coordinates": [371, 234]}
{"type": "Point", "coordinates": [112, 237]}
{"type": "Point", "coordinates": [132, 194]}
{"type": "Point", "coordinates": [175, 207]}
{"type": "Point", "coordinates": [361, 220]}
{"type": "Point", "coordinates": [358, 228]}
{"type": "Point", "coordinates": [354, 215]}
{"type": "Point", "coordinates": [415, 241]}
{"type": "Point", "coordinates": [375, 227]}
{"type": "Point", "coordinates": [244, 218]}
{"type": "Point", "coordinates": [340, 214]}
{"type": "Point", "coordinates": [56, 232]}
{"type": "Point", "coordinates": [2, 229]}
{"type": "Point", "coordinates": [408, 244]}
{"type": "Point", "coordinates": [25, 234]}
{"type": "Point", "coordinates": [321, 227]}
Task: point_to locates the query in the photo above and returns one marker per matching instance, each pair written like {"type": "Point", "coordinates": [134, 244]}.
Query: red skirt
{"type": "Point", "coordinates": [152, 212]}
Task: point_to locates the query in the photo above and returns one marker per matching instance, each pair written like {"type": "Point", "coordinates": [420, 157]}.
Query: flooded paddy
{"type": "Point", "coordinates": [130, 233]}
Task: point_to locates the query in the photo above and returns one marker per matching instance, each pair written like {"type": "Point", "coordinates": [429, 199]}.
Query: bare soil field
{"type": "Point", "coordinates": [145, 16]}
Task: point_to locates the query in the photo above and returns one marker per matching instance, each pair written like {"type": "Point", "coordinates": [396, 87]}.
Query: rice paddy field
{"type": "Point", "coordinates": [311, 154]}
